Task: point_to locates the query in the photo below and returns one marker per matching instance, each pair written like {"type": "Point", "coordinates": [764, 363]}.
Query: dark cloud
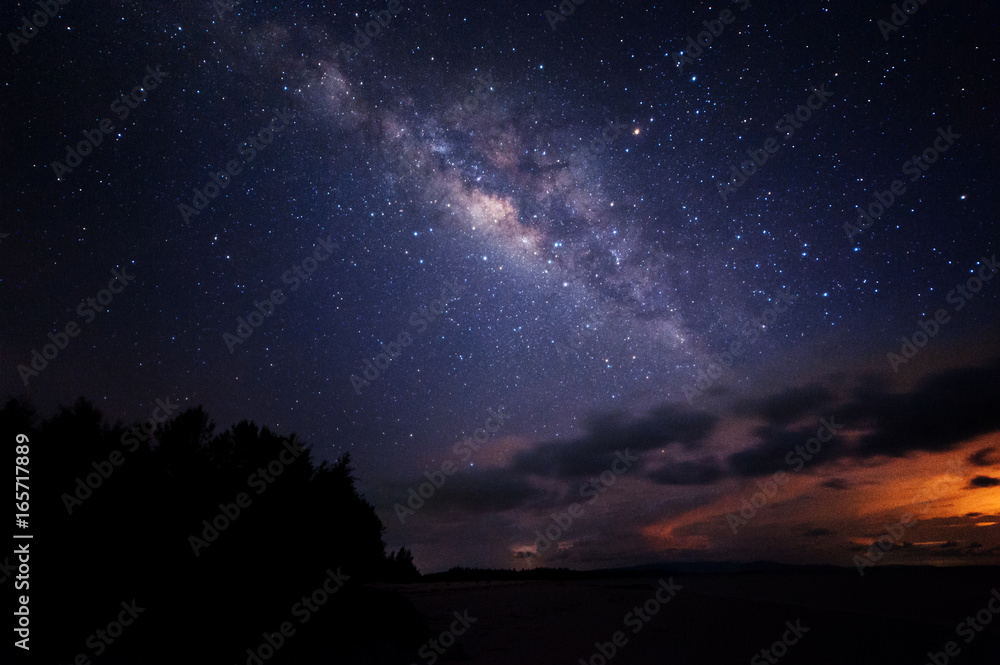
{"type": "Point", "coordinates": [819, 531]}
{"type": "Point", "coordinates": [609, 433]}
{"type": "Point", "coordinates": [958, 550]}
{"type": "Point", "coordinates": [790, 405]}
{"type": "Point", "coordinates": [483, 491]}
{"type": "Point", "coordinates": [573, 459]}
{"type": "Point", "coordinates": [687, 473]}
{"type": "Point", "coordinates": [944, 411]}
{"type": "Point", "coordinates": [980, 482]}
{"type": "Point", "coordinates": [769, 454]}
{"type": "Point", "coordinates": [775, 445]}
{"type": "Point", "coordinates": [984, 457]}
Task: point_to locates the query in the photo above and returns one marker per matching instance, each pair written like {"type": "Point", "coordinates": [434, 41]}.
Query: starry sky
{"type": "Point", "coordinates": [541, 216]}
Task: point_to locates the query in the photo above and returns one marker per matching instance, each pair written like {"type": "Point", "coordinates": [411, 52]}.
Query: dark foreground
{"type": "Point", "coordinates": [889, 616]}
{"type": "Point", "coordinates": [905, 616]}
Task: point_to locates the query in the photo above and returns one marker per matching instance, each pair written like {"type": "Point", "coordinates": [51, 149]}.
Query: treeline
{"type": "Point", "coordinates": [462, 574]}
{"type": "Point", "coordinates": [216, 535]}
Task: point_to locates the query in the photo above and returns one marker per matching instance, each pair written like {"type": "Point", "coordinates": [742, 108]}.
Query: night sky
{"type": "Point", "coordinates": [538, 218]}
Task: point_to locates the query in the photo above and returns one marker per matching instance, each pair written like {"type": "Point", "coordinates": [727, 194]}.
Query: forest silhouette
{"type": "Point", "coordinates": [132, 538]}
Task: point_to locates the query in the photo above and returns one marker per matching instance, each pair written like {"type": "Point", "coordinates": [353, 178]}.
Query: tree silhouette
{"type": "Point", "coordinates": [216, 535]}
{"type": "Point", "coordinates": [401, 567]}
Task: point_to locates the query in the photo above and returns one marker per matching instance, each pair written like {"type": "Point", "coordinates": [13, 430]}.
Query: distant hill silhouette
{"type": "Point", "coordinates": [460, 574]}
{"type": "Point", "coordinates": [131, 535]}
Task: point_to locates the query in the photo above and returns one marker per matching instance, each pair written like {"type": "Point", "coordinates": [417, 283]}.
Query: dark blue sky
{"type": "Point", "coordinates": [566, 182]}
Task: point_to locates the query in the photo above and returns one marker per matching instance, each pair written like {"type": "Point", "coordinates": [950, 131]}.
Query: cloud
{"type": "Point", "coordinates": [984, 457]}
{"type": "Point", "coordinates": [687, 473]}
{"type": "Point", "coordinates": [980, 482]}
{"type": "Point", "coordinates": [790, 405]}
{"type": "Point", "coordinates": [609, 433]}
{"type": "Point", "coordinates": [775, 443]}
{"type": "Point", "coordinates": [819, 531]}
{"type": "Point", "coordinates": [483, 491]}
{"type": "Point", "coordinates": [953, 548]}
{"type": "Point", "coordinates": [945, 410]}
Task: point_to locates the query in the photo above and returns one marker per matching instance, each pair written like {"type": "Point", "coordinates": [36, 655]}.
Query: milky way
{"type": "Point", "coordinates": [531, 196]}
{"type": "Point", "coordinates": [645, 249]}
